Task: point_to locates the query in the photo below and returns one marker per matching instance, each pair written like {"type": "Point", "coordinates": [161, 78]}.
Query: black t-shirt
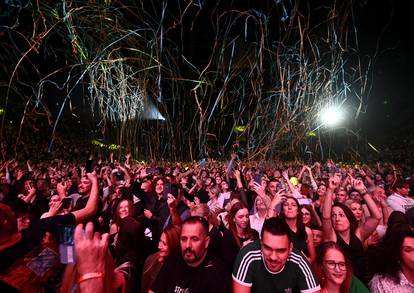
{"type": "Point", "coordinates": [214, 247]}
{"type": "Point", "coordinates": [177, 276]}
{"type": "Point", "coordinates": [31, 238]}
{"type": "Point", "coordinates": [230, 249]}
{"type": "Point", "coordinates": [130, 244]}
{"type": "Point", "coordinates": [81, 203]}
{"type": "Point", "coordinates": [202, 195]}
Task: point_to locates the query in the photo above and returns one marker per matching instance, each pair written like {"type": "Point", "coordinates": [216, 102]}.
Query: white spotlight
{"type": "Point", "coordinates": [331, 116]}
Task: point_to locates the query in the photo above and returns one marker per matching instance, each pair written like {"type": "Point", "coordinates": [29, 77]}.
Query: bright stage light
{"type": "Point", "coordinates": [331, 116]}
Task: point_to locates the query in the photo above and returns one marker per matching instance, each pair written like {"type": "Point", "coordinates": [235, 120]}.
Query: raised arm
{"type": "Point", "coordinates": [367, 177]}
{"type": "Point", "coordinates": [238, 175]}
{"type": "Point", "coordinates": [369, 226]}
{"type": "Point", "coordinates": [182, 175]}
{"type": "Point", "coordinates": [310, 245]}
{"type": "Point", "coordinates": [276, 200]}
{"type": "Point", "coordinates": [172, 206]}
{"type": "Point", "coordinates": [381, 201]}
{"type": "Point", "coordinates": [30, 195]}
{"type": "Point", "coordinates": [127, 176]}
{"type": "Point", "coordinates": [327, 228]}
{"type": "Point", "coordinates": [286, 177]}
{"type": "Point", "coordinates": [92, 205]}
{"type": "Point", "coordinates": [301, 172]}
{"type": "Point", "coordinates": [312, 180]}
{"type": "Point", "coordinates": [315, 215]}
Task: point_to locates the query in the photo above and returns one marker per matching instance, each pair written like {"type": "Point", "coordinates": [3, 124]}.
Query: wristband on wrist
{"type": "Point", "coordinates": [363, 193]}
{"type": "Point", "coordinates": [89, 276]}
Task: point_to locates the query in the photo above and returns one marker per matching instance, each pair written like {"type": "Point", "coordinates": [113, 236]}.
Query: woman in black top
{"type": "Point", "coordinates": [238, 234]}
{"type": "Point", "coordinates": [339, 224]}
{"type": "Point", "coordinates": [301, 235]}
{"type": "Point", "coordinates": [128, 242]}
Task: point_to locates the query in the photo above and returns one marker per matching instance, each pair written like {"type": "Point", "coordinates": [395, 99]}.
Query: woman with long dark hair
{"type": "Point", "coordinates": [169, 244]}
{"type": "Point", "coordinates": [340, 225]}
{"type": "Point", "coordinates": [127, 241]}
{"type": "Point", "coordinates": [309, 216]}
{"type": "Point", "coordinates": [394, 264]}
{"type": "Point", "coordinates": [301, 236]}
{"type": "Point", "coordinates": [238, 234]}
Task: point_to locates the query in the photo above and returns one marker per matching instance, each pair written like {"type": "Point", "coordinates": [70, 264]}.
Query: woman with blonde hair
{"type": "Point", "coordinates": [260, 207]}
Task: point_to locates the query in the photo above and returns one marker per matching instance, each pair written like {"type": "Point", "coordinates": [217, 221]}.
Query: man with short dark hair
{"type": "Point", "coordinates": [272, 264]}
{"type": "Point", "coordinates": [195, 270]}
{"type": "Point", "coordinates": [400, 199]}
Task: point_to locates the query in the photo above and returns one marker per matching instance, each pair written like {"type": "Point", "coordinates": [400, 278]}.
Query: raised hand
{"type": "Point", "coordinates": [358, 185]}
{"type": "Point", "coordinates": [171, 201]}
{"type": "Point", "coordinates": [62, 188]}
{"type": "Point", "coordinates": [147, 214]}
{"type": "Point", "coordinates": [334, 181]}
{"type": "Point", "coordinates": [91, 249]}
{"type": "Point", "coordinates": [55, 208]}
{"type": "Point", "coordinates": [92, 176]}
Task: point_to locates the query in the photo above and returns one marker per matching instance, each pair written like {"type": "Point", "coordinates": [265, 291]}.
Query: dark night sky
{"type": "Point", "coordinates": [385, 29]}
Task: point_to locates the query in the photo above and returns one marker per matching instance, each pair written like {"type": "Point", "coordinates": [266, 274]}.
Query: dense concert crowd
{"type": "Point", "coordinates": [105, 225]}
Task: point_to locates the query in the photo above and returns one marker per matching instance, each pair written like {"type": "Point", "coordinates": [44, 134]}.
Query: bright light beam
{"type": "Point", "coordinates": [331, 116]}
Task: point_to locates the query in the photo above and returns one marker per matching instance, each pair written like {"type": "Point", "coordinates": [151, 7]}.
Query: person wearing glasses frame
{"type": "Point", "coordinates": [334, 271]}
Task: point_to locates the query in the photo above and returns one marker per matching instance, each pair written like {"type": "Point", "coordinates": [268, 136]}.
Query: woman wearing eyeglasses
{"type": "Point", "coordinates": [334, 271]}
{"type": "Point", "coordinates": [339, 224]}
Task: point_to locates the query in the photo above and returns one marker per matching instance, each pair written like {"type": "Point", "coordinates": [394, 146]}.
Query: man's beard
{"type": "Point", "coordinates": [193, 256]}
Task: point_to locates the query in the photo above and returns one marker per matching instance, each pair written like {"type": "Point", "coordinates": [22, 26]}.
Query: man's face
{"type": "Point", "coordinates": [203, 174]}
{"type": "Point", "coordinates": [342, 196]}
{"type": "Point", "coordinates": [378, 178]}
{"type": "Point", "coordinates": [277, 174]}
{"type": "Point", "coordinates": [273, 187]}
{"type": "Point", "coordinates": [194, 244]}
{"type": "Point", "coordinates": [317, 237]}
{"type": "Point", "coordinates": [41, 185]}
{"type": "Point", "coordinates": [85, 186]}
{"type": "Point", "coordinates": [404, 191]}
{"type": "Point", "coordinates": [275, 250]}
{"type": "Point", "coordinates": [354, 195]}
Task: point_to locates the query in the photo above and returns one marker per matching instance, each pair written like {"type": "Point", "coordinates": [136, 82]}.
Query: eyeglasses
{"type": "Point", "coordinates": [331, 265]}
